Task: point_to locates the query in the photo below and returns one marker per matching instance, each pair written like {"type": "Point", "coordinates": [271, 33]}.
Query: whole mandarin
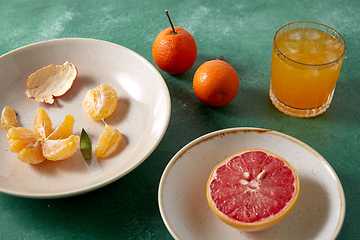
{"type": "Point", "coordinates": [216, 83]}
{"type": "Point", "coordinates": [174, 50]}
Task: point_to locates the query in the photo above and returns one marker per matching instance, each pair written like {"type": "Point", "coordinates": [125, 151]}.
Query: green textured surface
{"type": "Point", "coordinates": [242, 32]}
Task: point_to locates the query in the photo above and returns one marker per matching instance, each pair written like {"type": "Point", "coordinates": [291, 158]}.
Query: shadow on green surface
{"type": "Point", "coordinates": [126, 207]}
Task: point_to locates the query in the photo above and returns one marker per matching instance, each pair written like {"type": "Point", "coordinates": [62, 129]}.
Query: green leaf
{"type": "Point", "coordinates": [85, 144]}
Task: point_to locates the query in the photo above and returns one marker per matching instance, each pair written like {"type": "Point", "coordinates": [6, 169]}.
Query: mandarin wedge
{"type": "Point", "coordinates": [8, 118]}
{"type": "Point", "coordinates": [42, 124]}
{"type": "Point", "coordinates": [20, 137]}
{"type": "Point", "coordinates": [31, 154]}
{"type": "Point", "coordinates": [100, 103]}
{"type": "Point", "coordinates": [41, 143]}
{"type": "Point", "coordinates": [60, 149]}
{"type": "Point", "coordinates": [64, 130]}
{"type": "Point", "coordinates": [108, 142]}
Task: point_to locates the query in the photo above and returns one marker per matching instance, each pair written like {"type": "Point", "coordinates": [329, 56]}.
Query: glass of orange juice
{"type": "Point", "coordinates": [305, 65]}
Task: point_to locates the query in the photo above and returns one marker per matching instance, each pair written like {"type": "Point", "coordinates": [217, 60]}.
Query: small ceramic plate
{"type": "Point", "coordinates": [318, 214]}
{"type": "Point", "coordinates": [142, 114]}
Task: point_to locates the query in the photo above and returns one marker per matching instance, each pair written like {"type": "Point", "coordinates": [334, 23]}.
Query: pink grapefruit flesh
{"type": "Point", "coordinates": [253, 190]}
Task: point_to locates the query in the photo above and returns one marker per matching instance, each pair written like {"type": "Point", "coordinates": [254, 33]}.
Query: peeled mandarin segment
{"type": "Point", "coordinates": [64, 130]}
{"type": "Point", "coordinates": [60, 149]}
{"type": "Point", "coordinates": [31, 154]}
{"type": "Point", "coordinates": [42, 124]}
{"type": "Point", "coordinates": [8, 118]}
{"type": "Point", "coordinates": [108, 142]}
{"type": "Point", "coordinates": [20, 137]}
{"type": "Point", "coordinates": [100, 103]}
{"type": "Point", "coordinates": [47, 82]}
{"type": "Point", "coordinates": [34, 147]}
{"type": "Point", "coordinates": [18, 145]}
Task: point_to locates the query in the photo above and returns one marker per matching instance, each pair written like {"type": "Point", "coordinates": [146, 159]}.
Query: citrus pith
{"type": "Point", "coordinates": [253, 190]}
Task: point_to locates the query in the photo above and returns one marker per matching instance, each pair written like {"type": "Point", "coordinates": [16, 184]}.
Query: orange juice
{"type": "Point", "coordinates": [305, 65]}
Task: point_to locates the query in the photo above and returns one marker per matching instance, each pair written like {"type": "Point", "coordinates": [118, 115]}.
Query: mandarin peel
{"type": "Point", "coordinates": [49, 82]}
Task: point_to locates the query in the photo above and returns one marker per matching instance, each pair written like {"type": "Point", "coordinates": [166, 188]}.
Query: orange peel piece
{"type": "Point", "coordinates": [49, 82]}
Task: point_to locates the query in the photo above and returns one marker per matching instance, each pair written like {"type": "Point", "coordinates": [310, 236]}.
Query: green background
{"type": "Point", "coordinates": [242, 32]}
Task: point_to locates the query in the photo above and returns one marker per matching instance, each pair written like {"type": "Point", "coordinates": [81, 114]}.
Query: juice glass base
{"type": "Point", "coordinates": [296, 112]}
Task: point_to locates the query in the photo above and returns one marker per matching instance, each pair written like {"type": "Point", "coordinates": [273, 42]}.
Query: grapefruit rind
{"type": "Point", "coordinates": [263, 223]}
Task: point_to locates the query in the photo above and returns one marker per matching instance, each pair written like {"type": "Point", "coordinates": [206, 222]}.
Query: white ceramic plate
{"type": "Point", "coordinates": [142, 114]}
{"type": "Point", "coordinates": [318, 214]}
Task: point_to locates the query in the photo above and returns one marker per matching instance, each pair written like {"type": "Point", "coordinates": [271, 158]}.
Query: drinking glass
{"type": "Point", "coordinates": [305, 65]}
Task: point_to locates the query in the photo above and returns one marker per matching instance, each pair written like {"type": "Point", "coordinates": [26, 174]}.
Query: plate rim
{"type": "Point", "coordinates": [66, 39]}
{"type": "Point", "coordinates": [100, 184]}
{"type": "Point", "coordinates": [214, 134]}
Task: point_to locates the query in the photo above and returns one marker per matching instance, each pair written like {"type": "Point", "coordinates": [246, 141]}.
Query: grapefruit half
{"type": "Point", "coordinates": [253, 190]}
